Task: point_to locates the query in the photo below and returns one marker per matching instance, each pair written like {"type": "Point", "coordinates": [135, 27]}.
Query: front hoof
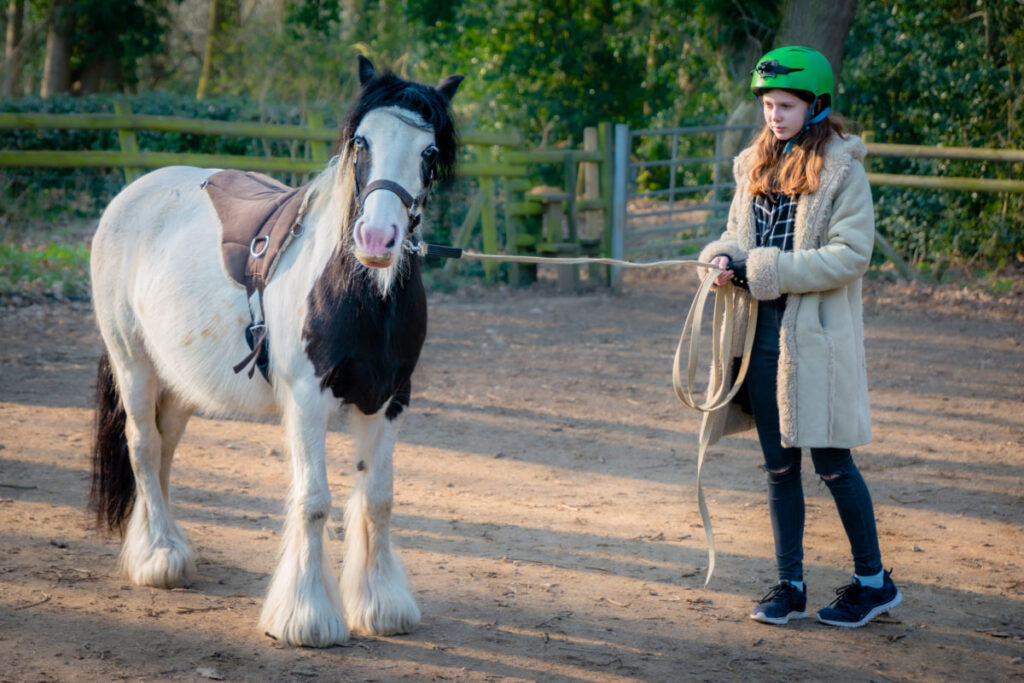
{"type": "Point", "coordinates": [306, 628]}
{"type": "Point", "coordinates": [382, 610]}
{"type": "Point", "coordinates": [383, 623]}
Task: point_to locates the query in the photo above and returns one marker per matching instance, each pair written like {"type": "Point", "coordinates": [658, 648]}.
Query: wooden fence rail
{"type": "Point", "coordinates": [131, 157]}
{"type": "Point", "coordinates": [501, 157]}
{"type": "Point", "coordinates": [501, 163]}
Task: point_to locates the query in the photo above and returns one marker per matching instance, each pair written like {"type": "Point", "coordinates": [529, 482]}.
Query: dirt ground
{"type": "Point", "coordinates": [545, 508]}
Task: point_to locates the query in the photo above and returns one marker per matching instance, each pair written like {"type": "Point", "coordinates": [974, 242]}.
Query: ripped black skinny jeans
{"type": "Point", "coordinates": [835, 466]}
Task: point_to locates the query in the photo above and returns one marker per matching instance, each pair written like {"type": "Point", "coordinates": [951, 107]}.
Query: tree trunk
{"type": "Point", "coordinates": [57, 66]}
{"type": "Point", "coordinates": [651, 63]}
{"type": "Point", "coordinates": [12, 48]}
{"type": "Point", "coordinates": [90, 78]}
{"type": "Point", "coordinates": [222, 17]}
{"type": "Point", "coordinates": [822, 26]}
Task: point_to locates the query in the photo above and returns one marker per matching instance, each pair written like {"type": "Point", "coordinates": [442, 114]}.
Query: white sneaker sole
{"type": "Point", "coordinates": [778, 621]}
{"type": "Point", "coordinates": [881, 609]}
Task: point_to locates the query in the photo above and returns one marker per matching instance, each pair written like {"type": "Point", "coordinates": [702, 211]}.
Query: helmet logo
{"type": "Point", "coordinates": [771, 68]}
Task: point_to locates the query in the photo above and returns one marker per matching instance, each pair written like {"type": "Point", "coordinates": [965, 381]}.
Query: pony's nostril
{"type": "Point", "coordinates": [394, 236]}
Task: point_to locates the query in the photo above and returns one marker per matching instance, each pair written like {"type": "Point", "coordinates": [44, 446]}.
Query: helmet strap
{"type": "Point", "coordinates": [811, 120]}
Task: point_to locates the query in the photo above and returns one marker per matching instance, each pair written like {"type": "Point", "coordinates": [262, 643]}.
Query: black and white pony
{"type": "Point", "coordinates": [346, 318]}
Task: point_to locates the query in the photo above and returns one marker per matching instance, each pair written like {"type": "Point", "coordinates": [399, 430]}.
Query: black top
{"type": "Point", "coordinates": [774, 219]}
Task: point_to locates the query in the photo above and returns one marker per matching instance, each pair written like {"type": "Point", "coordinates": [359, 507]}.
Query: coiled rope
{"type": "Point", "coordinates": [719, 390]}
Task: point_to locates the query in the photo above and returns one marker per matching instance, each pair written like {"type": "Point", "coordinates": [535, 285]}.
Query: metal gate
{"type": "Point", "coordinates": [672, 188]}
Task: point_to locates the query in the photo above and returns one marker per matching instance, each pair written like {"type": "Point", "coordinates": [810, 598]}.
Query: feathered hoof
{"type": "Point", "coordinates": [380, 622]}
{"type": "Point", "coordinates": [384, 609]}
{"type": "Point", "coordinates": [305, 625]}
{"type": "Point", "coordinates": [162, 568]}
{"type": "Point", "coordinates": [160, 561]}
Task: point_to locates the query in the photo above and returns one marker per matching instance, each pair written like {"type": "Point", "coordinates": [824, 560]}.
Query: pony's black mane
{"type": "Point", "coordinates": [364, 346]}
{"type": "Point", "coordinates": [386, 89]}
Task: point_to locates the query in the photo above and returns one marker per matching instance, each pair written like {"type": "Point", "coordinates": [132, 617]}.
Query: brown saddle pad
{"type": "Point", "coordinates": [253, 206]}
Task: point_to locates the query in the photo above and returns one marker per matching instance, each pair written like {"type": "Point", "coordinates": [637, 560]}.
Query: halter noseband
{"type": "Point", "coordinates": [414, 205]}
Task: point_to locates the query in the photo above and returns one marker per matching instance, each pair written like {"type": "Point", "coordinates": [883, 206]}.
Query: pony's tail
{"type": "Point", "coordinates": [113, 482]}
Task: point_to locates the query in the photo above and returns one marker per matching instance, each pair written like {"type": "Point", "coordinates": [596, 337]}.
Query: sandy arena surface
{"type": "Point", "coordinates": [545, 508]}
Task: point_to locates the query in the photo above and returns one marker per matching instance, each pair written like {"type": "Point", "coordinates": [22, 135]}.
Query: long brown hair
{"type": "Point", "coordinates": [799, 170]}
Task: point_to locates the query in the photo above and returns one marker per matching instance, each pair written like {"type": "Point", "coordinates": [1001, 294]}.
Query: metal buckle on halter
{"type": "Point", "coordinates": [296, 229]}
{"type": "Point", "coordinates": [256, 250]}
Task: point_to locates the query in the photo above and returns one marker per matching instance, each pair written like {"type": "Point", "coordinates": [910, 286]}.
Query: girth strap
{"type": "Point", "coordinates": [260, 217]}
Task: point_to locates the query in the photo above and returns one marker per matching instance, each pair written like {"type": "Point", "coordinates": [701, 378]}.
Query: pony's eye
{"type": "Point", "coordinates": [359, 142]}
{"type": "Point", "coordinates": [430, 153]}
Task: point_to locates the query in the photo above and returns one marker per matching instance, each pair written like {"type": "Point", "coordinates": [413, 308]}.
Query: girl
{"type": "Point", "coordinates": [799, 236]}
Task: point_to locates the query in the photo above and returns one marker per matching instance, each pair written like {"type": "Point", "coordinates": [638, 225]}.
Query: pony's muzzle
{"type": "Point", "coordinates": [376, 245]}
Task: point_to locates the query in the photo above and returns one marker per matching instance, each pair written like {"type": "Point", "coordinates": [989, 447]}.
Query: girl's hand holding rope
{"type": "Point", "coordinates": [722, 264]}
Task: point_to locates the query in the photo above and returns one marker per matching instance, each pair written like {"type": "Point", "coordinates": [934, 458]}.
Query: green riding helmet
{"type": "Point", "coordinates": [794, 68]}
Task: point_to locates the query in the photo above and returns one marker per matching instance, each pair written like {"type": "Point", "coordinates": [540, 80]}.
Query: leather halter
{"type": "Point", "coordinates": [413, 205]}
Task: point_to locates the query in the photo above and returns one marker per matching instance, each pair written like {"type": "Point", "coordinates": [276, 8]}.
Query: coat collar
{"type": "Point", "coordinates": [813, 209]}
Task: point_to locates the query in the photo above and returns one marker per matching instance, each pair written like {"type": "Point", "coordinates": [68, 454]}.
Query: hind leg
{"type": "Point", "coordinates": [155, 551]}
{"type": "Point", "coordinates": [376, 592]}
{"type": "Point", "coordinates": [172, 416]}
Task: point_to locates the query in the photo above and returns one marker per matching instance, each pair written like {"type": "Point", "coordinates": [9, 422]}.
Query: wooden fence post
{"type": "Point", "coordinates": [488, 220]}
{"type": "Point", "coordinates": [461, 237]}
{"type": "Point", "coordinates": [604, 142]}
{"type": "Point", "coordinates": [127, 140]}
{"type": "Point", "coordinates": [317, 148]}
{"type": "Point", "coordinates": [591, 173]}
{"type": "Point", "coordinates": [571, 215]}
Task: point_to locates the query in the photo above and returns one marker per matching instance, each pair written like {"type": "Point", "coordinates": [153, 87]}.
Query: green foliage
{"type": "Point", "coordinates": [553, 69]}
{"type": "Point", "coordinates": [544, 65]}
{"type": "Point", "coordinates": [308, 64]}
{"type": "Point", "coordinates": [318, 16]}
{"type": "Point", "coordinates": [950, 73]}
{"type": "Point", "coordinates": [918, 71]}
{"type": "Point", "coordinates": [121, 32]}
{"type": "Point", "coordinates": [54, 271]}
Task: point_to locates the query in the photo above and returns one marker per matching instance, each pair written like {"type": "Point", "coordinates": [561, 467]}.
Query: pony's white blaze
{"type": "Point", "coordinates": [394, 140]}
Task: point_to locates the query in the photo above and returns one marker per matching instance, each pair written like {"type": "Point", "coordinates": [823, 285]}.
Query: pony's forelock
{"type": "Point", "coordinates": [386, 89]}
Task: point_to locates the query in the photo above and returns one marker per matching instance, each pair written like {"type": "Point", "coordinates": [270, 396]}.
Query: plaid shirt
{"type": "Point", "coordinates": [774, 217]}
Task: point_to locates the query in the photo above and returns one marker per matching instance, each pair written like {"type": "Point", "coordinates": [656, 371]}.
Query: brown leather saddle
{"type": "Point", "coordinates": [259, 217]}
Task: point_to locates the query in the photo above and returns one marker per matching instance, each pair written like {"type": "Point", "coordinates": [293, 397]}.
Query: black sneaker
{"type": "Point", "coordinates": [782, 603]}
{"type": "Point", "coordinates": [856, 605]}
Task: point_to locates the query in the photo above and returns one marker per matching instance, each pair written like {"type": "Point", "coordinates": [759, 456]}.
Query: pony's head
{"type": "Point", "coordinates": [397, 140]}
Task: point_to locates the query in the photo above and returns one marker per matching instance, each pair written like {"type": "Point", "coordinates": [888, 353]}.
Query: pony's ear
{"type": "Point", "coordinates": [449, 85]}
{"type": "Point", "coordinates": [366, 70]}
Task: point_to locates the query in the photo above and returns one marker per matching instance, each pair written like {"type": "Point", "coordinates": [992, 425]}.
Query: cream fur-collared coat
{"type": "Point", "coordinates": [822, 381]}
